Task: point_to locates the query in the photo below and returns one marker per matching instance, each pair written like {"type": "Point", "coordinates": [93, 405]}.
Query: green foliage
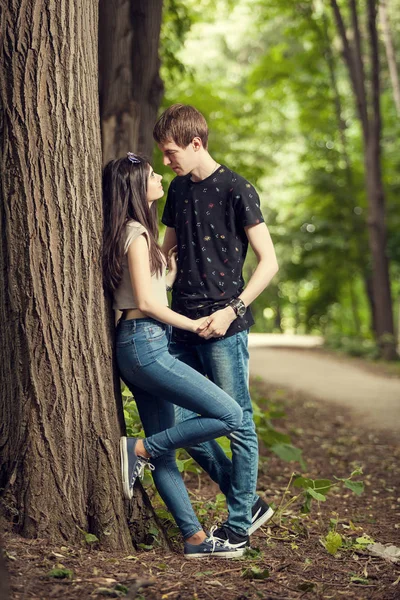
{"type": "Point", "coordinates": [317, 489]}
{"type": "Point", "coordinates": [272, 84]}
{"type": "Point", "coordinates": [333, 542]}
{"type": "Point", "coordinates": [60, 573]}
{"type": "Point", "coordinates": [89, 538]}
{"type": "Point", "coordinates": [255, 573]}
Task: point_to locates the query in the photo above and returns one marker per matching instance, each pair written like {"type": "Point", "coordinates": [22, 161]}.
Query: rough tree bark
{"type": "Point", "coordinates": [59, 427]}
{"type": "Point", "coordinates": [130, 85]}
{"type": "Point", "coordinates": [366, 90]}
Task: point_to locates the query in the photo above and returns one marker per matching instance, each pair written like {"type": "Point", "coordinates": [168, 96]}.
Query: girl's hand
{"type": "Point", "coordinates": [200, 325]}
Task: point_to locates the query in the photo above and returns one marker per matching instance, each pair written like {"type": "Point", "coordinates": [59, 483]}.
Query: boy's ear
{"type": "Point", "coordinates": [197, 143]}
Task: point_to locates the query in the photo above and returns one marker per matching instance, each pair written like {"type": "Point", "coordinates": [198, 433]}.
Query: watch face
{"type": "Point", "coordinates": [241, 310]}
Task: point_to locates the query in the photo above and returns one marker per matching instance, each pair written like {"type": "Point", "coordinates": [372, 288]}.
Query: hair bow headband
{"type": "Point", "coordinates": [133, 158]}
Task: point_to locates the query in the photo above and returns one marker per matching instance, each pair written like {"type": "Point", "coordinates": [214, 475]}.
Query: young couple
{"type": "Point", "coordinates": [187, 367]}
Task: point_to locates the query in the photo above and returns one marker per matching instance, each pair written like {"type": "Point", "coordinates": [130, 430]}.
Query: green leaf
{"type": "Point", "coordinates": [252, 553]}
{"type": "Point", "coordinates": [306, 508]}
{"type": "Point", "coordinates": [270, 437]}
{"type": "Point", "coordinates": [90, 538]}
{"type": "Point", "coordinates": [303, 482]}
{"type": "Point", "coordinates": [363, 542]}
{"type": "Point", "coordinates": [357, 579]}
{"type": "Point", "coordinates": [60, 574]}
{"type": "Point", "coordinates": [316, 495]}
{"type": "Point", "coordinates": [288, 453]}
{"type": "Point", "coordinates": [357, 471]}
{"type": "Point", "coordinates": [355, 486]}
{"type": "Point", "coordinates": [255, 573]}
{"type": "Point", "coordinates": [146, 547]}
{"type": "Point", "coordinates": [322, 485]}
{"type": "Point", "coordinates": [333, 542]}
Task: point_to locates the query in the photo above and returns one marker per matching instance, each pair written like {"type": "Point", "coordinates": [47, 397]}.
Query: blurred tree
{"type": "Point", "coordinates": [59, 424]}
{"type": "Point", "coordinates": [130, 85]}
{"type": "Point", "coordinates": [390, 51]}
{"type": "Point", "coordinates": [367, 93]}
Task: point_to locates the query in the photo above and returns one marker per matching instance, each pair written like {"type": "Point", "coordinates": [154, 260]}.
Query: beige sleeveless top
{"type": "Point", "coordinates": [123, 296]}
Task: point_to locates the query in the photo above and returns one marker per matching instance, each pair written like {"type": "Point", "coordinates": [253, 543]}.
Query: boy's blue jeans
{"type": "Point", "coordinates": [159, 381]}
{"type": "Point", "coordinates": [226, 363]}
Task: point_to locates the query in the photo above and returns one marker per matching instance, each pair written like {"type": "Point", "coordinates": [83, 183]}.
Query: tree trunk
{"type": "Point", "coordinates": [370, 118]}
{"type": "Point", "coordinates": [130, 85]}
{"type": "Point", "coordinates": [376, 202]}
{"type": "Point", "coordinates": [390, 52]}
{"type": "Point", "coordinates": [59, 426]}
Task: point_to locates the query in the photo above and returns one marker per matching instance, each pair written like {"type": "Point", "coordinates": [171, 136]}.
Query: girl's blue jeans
{"type": "Point", "coordinates": [159, 381]}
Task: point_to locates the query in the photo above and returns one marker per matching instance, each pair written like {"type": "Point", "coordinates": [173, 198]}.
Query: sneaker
{"type": "Point", "coordinates": [132, 466]}
{"type": "Point", "coordinates": [260, 514]}
{"type": "Point", "coordinates": [225, 535]}
{"type": "Point", "coordinates": [212, 548]}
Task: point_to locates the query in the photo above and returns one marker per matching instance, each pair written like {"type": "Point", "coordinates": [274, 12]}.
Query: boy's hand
{"type": "Point", "coordinates": [218, 323]}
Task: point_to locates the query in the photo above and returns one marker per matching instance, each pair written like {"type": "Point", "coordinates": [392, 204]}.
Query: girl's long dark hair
{"type": "Point", "coordinates": [125, 198]}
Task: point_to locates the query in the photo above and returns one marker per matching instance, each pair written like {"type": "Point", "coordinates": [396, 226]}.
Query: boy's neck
{"type": "Point", "coordinates": [206, 167]}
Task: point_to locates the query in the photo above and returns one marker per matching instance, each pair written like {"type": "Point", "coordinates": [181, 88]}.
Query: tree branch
{"type": "Point", "coordinates": [358, 60]}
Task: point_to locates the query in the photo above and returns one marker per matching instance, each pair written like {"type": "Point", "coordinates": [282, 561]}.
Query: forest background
{"type": "Point", "coordinates": [271, 80]}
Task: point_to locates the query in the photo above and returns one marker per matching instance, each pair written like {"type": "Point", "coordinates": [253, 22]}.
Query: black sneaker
{"type": "Point", "coordinates": [225, 535]}
{"type": "Point", "coordinates": [132, 466]}
{"type": "Point", "coordinates": [260, 514]}
{"type": "Point", "coordinates": [212, 548]}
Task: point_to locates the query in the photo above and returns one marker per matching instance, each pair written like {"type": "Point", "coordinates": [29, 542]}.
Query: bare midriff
{"type": "Point", "coordinates": [133, 313]}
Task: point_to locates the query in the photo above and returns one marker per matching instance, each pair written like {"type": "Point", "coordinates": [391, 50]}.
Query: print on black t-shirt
{"type": "Point", "coordinates": [209, 218]}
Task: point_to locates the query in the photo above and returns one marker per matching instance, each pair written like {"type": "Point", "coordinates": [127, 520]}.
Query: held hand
{"type": "Point", "coordinates": [218, 323]}
{"type": "Point", "coordinates": [201, 324]}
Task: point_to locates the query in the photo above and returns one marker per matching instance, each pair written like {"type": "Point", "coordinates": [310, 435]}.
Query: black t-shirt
{"type": "Point", "coordinates": [209, 218]}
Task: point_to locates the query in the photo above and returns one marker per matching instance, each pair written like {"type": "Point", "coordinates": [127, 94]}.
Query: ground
{"type": "Point", "coordinates": [291, 562]}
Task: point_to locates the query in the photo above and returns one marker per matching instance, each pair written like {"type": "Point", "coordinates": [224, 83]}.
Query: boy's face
{"type": "Point", "coordinates": [181, 160]}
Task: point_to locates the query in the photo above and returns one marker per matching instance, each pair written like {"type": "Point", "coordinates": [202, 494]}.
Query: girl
{"type": "Point", "coordinates": [134, 270]}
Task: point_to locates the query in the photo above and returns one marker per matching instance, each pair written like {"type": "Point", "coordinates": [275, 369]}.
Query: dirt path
{"type": "Point", "coordinates": [374, 398]}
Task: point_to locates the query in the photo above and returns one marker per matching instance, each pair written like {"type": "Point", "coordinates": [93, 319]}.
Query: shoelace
{"type": "Point", "coordinates": [140, 466]}
{"type": "Point", "coordinates": [215, 542]}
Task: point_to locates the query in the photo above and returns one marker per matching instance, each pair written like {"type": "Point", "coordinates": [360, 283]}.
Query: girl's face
{"type": "Point", "coordinates": [154, 188]}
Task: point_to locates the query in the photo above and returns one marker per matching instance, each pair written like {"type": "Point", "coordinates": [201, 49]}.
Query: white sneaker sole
{"type": "Point", "coordinates": [124, 468]}
{"type": "Point", "coordinates": [261, 520]}
{"type": "Point", "coordinates": [232, 554]}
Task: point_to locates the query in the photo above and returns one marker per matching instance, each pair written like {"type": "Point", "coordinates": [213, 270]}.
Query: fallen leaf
{"type": "Point", "coordinates": [386, 551]}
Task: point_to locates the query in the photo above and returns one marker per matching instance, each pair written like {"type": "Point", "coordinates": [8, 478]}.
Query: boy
{"type": "Point", "coordinates": [212, 214]}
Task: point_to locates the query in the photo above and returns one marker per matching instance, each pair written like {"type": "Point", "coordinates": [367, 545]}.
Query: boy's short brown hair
{"type": "Point", "coordinates": [180, 123]}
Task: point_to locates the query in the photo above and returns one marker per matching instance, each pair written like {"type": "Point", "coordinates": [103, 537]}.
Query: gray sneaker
{"type": "Point", "coordinates": [212, 548]}
{"type": "Point", "coordinates": [132, 466]}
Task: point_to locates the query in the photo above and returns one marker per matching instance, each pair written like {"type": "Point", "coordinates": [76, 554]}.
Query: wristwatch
{"type": "Point", "coordinates": [238, 306]}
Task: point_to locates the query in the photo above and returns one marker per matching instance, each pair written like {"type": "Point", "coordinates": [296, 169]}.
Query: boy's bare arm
{"type": "Point", "coordinates": [267, 266]}
{"type": "Point", "coordinates": [169, 240]}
